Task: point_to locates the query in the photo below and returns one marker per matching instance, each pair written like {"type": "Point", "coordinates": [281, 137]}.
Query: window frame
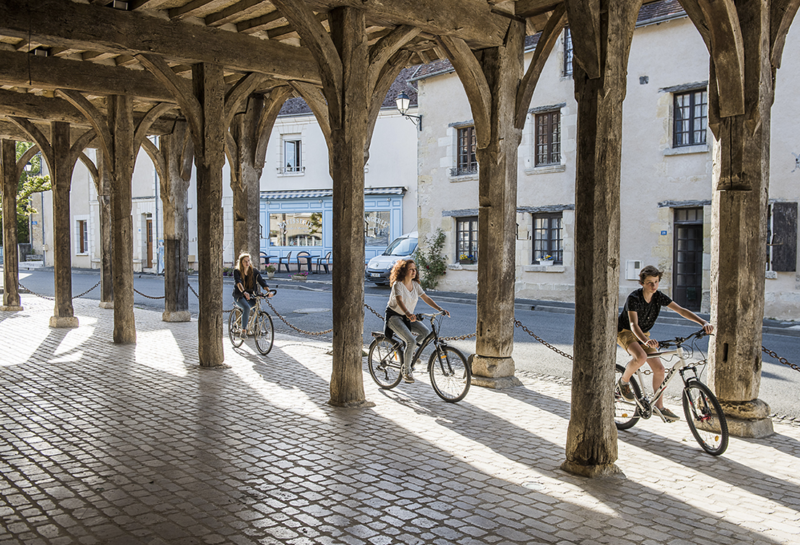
{"type": "Point", "coordinates": [558, 252]}
{"type": "Point", "coordinates": [472, 237]}
{"type": "Point", "coordinates": [82, 243]}
{"type": "Point", "coordinates": [566, 68]}
{"type": "Point", "coordinates": [466, 162]}
{"type": "Point", "coordinates": [552, 146]}
{"type": "Point", "coordinates": [298, 167]}
{"type": "Point", "coordinates": [692, 119]}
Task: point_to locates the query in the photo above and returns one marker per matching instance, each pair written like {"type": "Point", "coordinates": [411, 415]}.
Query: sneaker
{"type": "Point", "coordinates": [667, 415]}
{"type": "Point", "coordinates": [408, 378]}
{"type": "Point", "coordinates": [625, 390]}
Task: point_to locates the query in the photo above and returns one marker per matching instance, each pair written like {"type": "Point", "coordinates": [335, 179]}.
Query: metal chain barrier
{"type": "Point", "coordinates": [87, 291]}
{"type": "Point", "coordinates": [784, 361]}
{"type": "Point", "coordinates": [373, 311]}
{"type": "Point", "coordinates": [547, 344]}
{"type": "Point", "coordinates": [36, 294]}
{"type": "Point", "coordinates": [293, 327]}
{"type": "Point", "coordinates": [148, 296]}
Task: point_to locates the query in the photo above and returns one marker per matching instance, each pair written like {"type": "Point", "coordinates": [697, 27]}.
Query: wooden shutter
{"type": "Point", "coordinates": [784, 236]}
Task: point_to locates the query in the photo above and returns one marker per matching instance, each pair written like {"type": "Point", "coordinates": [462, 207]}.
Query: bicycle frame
{"type": "Point", "coordinates": [647, 402]}
{"type": "Point", "coordinates": [433, 336]}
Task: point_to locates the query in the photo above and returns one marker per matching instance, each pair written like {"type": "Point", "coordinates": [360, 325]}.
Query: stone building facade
{"type": "Point", "coordinates": [666, 177]}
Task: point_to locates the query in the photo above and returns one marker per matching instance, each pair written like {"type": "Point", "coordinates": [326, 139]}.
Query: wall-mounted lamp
{"type": "Point", "coordinates": [403, 102]}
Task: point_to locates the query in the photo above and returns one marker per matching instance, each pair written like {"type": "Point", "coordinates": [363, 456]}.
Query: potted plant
{"type": "Point", "coordinates": [270, 271]}
{"type": "Point", "coordinates": [300, 276]}
{"type": "Point", "coordinates": [466, 259]}
{"type": "Point", "coordinates": [546, 260]}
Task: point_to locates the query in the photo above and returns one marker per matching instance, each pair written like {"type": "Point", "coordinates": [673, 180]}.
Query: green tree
{"type": "Point", "coordinates": [30, 181]}
{"type": "Point", "coordinates": [430, 261]}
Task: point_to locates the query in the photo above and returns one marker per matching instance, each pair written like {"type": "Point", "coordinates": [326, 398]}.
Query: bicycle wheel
{"type": "Point", "coordinates": [626, 413]}
{"type": "Point", "coordinates": [705, 417]}
{"type": "Point", "coordinates": [264, 333]}
{"type": "Point", "coordinates": [235, 327]}
{"type": "Point", "coordinates": [450, 374]}
{"type": "Point", "coordinates": [385, 361]}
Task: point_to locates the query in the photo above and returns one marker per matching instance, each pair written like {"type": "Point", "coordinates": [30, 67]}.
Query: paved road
{"type": "Point", "coordinates": [307, 306]}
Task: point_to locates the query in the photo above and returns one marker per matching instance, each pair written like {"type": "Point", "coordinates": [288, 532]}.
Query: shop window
{"type": "Point", "coordinates": [567, 53]}
{"type": "Point", "coordinates": [295, 229]}
{"type": "Point", "coordinates": [292, 156]}
{"type": "Point", "coordinates": [690, 114]}
{"type": "Point", "coordinates": [548, 239]}
{"type": "Point", "coordinates": [466, 162]}
{"type": "Point", "coordinates": [377, 228]}
{"type": "Point", "coordinates": [782, 237]}
{"type": "Point", "coordinates": [548, 138]}
{"type": "Point", "coordinates": [467, 239]}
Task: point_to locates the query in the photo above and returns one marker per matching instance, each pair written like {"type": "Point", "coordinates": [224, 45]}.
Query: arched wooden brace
{"type": "Point", "coordinates": [499, 96]}
{"type": "Point", "coordinates": [203, 106]}
{"type": "Point", "coordinates": [120, 140]}
{"type": "Point", "coordinates": [344, 64]}
{"type": "Point", "coordinates": [61, 157]}
{"type": "Point", "coordinates": [591, 448]}
{"type": "Point", "coordinates": [10, 173]}
{"type": "Point", "coordinates": [315, 99]}
{"type": "Point", "coordinates": [718, 24]}
{"type": "Point", "coordinates": [782, 13]}
{"type": "Point", "coordinates": [234, 99]}
{"type": "Point", "coordinates": [247, 167]}
{"type": "Point", "coordinates": [187, 156]}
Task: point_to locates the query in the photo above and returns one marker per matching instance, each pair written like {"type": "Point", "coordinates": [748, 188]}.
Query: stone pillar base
{"type": "Point", "coordinates": [592, 471]}
{"type": "Point", "coordinates": [107, 304]}
{"type": "Point", "coordinates": [10, 308]}
{"type": "Point", "coordinates": [491, 372]}
{"type": "Point", "coordinates": [179, 316]}
{"type": "Point", "coordinates": [747, 418]}
{"type": "Point", "coordinates": [63, 322]}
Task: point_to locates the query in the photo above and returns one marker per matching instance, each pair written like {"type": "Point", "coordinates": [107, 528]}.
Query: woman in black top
{"type": "Point", "coordinates": [246, 279]}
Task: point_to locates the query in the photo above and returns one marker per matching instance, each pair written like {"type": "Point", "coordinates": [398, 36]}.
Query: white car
{"type": "Point", "coordinates": [380, 266]}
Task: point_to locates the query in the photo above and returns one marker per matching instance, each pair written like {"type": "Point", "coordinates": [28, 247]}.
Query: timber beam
{"type": "Point", "coordinates": [92, 28]}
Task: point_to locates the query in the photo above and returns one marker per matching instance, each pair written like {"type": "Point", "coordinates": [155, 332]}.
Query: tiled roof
{"type": "Point", "coordinates": [298, 106]}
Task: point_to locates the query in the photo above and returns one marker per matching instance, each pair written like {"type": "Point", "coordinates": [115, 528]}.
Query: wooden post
{"type": "Point", "coordinates": [10, 175]}
{"type": "Point", "coordinates": [175, 205]}
{"type": "Point", "coordinates": [601, 44]}
{"type": "Point", "coordinates": [120, 123]}
{"type": "Point", "coordinates": [245, 182]}
{"type": "Point", "coordinates": [106, 234]}
{"type": "Point", "coordinates": [209, 90]}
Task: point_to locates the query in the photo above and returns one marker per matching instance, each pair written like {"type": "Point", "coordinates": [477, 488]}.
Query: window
{"type": "Point", "coordinates": [782, 237]}
{"type": "Point", "coordinates": [547, 237]}
{"type": "Point", "coordinates": [467, 162]}
{"type": "Point", "coordinates": [292, 160]}
{"type": "Point", "coordinates": [691, 118]}
{"type": "Point", "coordinates": [377, 228]}
{"type": "Point", "coordinates": [296, 229]}
{"type": "Point", "coordinates": [548, 138]}
{"type": "Point", "coordinates": [567, 53]}
{"type": "Point", "coordinates": [83, 237]}
{"type": "Point", "coordinates": [467, 238]}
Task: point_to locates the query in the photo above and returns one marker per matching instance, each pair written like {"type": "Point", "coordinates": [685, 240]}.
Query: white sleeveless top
{"type": "Point", "coordinates": [409, 298]}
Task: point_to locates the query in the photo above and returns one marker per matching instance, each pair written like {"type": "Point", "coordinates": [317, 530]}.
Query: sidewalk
{"type": "Point", "coordinates": [102, 443]}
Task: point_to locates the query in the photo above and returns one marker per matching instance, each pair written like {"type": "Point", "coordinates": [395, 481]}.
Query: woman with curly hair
{"type": "Point", "coordinates": [400, 318]}
{"type": "Point", "coordinates": [246, 280]}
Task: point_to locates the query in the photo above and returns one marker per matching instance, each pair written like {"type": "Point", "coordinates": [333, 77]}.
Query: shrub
{"type": "Point", "coordinates": [430, 261]}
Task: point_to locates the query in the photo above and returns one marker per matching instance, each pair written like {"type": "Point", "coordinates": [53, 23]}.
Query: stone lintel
{"type": "Point", "coordinates": [178, 316]}
{"type": "Point", "coordinates": [106, 304]}
{"type": "Point", "coordinates": [592, 471]}
{"type": "Point", "coordinates": [63, 322]}
{"type": "Point", "coordinates": [10, 308]}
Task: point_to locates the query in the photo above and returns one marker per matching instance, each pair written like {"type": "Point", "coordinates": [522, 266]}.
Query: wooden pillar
{"type": "Point", "coordinates": [120, 124]}
{"type": "Point", "coordinates": [245, 181]}
{"type": "Point", "coordinates": [10, 182]}
{"type": "Point", "coordinates": [175, 205]}
{"type": "Point", "coordinates": [209, 91]}
{"type": "Point", "coordinates": [106, 234]}
{"type": "Point", "coordinates": [601, 36]}
{"type": "Point", "coordinates": [499, 97]}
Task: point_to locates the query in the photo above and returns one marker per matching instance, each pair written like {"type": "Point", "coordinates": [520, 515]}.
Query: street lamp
{"type": "Point", "coordinates": [403, 103]}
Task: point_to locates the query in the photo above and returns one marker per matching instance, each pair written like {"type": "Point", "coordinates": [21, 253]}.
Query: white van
{"type": "Point", "coordinates": [379, 267]}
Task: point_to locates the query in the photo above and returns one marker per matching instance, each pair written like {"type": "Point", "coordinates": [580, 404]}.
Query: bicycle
{"type": "Point", "coordinates": [703, 412]}
{"type": "Point", "coordinates": [260, 323]}
{"type": "Point", "coordinates": [450, 375]}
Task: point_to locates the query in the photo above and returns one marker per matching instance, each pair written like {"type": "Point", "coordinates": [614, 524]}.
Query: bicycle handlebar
{"type": "Point", "coordinates": [678, 341]}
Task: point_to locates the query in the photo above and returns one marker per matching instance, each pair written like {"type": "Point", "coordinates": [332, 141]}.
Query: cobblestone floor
{"type": "Point", "coordinates": [135, 444]}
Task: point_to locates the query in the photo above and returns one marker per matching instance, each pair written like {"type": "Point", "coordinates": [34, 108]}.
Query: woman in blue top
{"type": "Point", "coordinates": [246, 280]}
{"type": "Point", "coordinates": [638, 317]}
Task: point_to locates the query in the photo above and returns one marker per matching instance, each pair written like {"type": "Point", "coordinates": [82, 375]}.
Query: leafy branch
{"type": "Point", "coordinates": [430, 261]}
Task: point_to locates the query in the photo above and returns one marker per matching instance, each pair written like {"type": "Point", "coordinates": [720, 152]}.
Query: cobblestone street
{"type": "Point", "coordinates": [101, 443]}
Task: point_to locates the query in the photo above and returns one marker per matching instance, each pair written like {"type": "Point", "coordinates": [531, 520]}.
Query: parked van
{"type": "Point", "coordinates": [379, 267]}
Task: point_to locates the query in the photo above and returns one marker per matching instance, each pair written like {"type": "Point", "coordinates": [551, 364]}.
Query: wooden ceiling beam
{"type": "Point", "coordinates": [239, 10]}
{"type": "Point", "coordinates": [262, 22]}
{"type": "Point", "coordinates": [25, 70]}
{"type": "Point", "coordinates": [532, 8]}
{"type": "Point", "coordinates": [69, 24]}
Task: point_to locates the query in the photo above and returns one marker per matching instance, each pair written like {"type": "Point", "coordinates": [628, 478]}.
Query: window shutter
{"type": "Point", "coordinates": [784, 236]}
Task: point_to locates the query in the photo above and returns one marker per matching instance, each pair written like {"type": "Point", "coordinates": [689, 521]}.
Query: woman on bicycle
{"type": "Point", "coordinates": [245, 282]}
{"type": "Point", "coordinates": [400, 318]}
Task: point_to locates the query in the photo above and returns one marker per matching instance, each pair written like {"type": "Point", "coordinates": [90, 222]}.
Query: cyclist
{"type": "Point", "coordinates": [400, 318]}
{"type": "Point", "coordinates": [637, 318]}
{"type": "Point", "coordinates": [246, 280]}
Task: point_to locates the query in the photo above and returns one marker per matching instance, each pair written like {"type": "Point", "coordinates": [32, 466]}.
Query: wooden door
{"type": "Point", "coordinates": [149, 263]}
{"type": "Point", "coordinates": [688, 259]}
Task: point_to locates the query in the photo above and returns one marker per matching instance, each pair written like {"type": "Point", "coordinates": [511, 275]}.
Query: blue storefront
{"type": "Point", "coordinates": [296, 221]}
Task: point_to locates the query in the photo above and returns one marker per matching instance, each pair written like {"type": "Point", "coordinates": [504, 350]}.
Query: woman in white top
{"type": "Point", "coordinates": [400, 317]}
